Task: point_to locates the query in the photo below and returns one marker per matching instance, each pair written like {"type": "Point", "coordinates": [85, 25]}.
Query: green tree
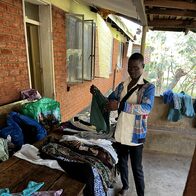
{"type": "Point", "coordinates": [173, 61]}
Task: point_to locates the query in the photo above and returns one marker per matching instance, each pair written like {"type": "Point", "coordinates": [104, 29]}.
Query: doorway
{"type": "Point", "coordinates": [34, 57]}
{"type": "Point", "coordinates": [38, 17]}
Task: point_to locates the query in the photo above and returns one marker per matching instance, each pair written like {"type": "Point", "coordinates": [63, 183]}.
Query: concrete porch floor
{"type": "Point", "coordinates": [165, 175]}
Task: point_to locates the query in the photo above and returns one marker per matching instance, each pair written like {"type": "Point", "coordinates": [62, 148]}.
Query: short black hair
{"type": "Point", "coordinates": [137, 56]}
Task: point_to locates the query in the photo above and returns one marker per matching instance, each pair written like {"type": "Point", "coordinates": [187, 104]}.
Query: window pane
{"type": "Point", "coordinates": [120, 53]}
{"type": "Point", "coordinates": [74, 44]}
{"type": "Point", "coordinates": [88, 44]}
{"type": "Point", "coordinates": [89, 49]}
{"type": "Point", "coordinates": [32, 11]}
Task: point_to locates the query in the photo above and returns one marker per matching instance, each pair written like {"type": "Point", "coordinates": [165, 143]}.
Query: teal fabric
{"type": "Point", "coordinates": [4, 192]}
{"type": "Point", "coordinates": [32, 187]}
{"type": "Point", "coordinates": [98, 116]}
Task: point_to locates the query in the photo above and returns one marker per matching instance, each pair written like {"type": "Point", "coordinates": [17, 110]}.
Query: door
{"type": "Point", "coordinates": [34, 57]}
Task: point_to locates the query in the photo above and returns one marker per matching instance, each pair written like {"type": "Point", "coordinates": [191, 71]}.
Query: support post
{"type": "Point", "coordinates": [144, 30]}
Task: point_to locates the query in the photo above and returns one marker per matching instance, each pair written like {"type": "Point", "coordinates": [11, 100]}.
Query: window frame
{"type": "Point", "coordinates": [92, 49]}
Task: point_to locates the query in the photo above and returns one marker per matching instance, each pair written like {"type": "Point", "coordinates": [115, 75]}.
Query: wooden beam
{"type": "Point", "coordinates": [184, 5]}
{"type": "Point", "coordinates": [143, 42]}
{"type": "Point", "coordinates": [172, 12]}
{"type": "Point", "coordinates": [167, 29]}
{"type": "Point", "coordinates": [172, 23]}
{"type": "Point", "coordinates": [140, 8]}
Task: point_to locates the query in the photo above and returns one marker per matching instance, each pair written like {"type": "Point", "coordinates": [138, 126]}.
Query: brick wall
{"type": "Point", "coordinates": [13, 61]}
{"type": "Point", "coordinates": [78, 97]}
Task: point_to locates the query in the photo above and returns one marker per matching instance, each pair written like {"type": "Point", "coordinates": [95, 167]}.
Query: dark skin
{"type": "Point", "coordinates": [135, 70]}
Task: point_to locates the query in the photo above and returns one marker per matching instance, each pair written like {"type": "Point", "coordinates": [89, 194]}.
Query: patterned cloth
{"type": "Point", "coordinates": [65, 155]}
{"type": "Point", "coordinates": [4, 154]}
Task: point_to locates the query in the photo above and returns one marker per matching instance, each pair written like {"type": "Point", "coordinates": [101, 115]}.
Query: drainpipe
{"type": "Point", "coordinates": [144, 30]}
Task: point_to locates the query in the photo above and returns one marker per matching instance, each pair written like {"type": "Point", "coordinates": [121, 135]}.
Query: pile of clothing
{"type": "Point", "coordinates": [89, 161]}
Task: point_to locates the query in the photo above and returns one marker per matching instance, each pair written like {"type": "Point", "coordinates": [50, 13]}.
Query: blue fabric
{"type": "Point", "coordinates": [174, 115]}
{"type": "Point", "coordinates": [32, 130]}
{"type": "Point", "coordinates": [188, 109]}
{"type": "Point", "coordinates": [115, 95]}
{"type": "Point", "coordinates": [168, 97]}
{"type": "Point", "coordinates": [32, 187]}
{"type": "Point", "coordinates": [14, 131]}
{"type": "Point", "coordinates": [4, 192]}
{"type": "Point", "coordinates": [22, 129]}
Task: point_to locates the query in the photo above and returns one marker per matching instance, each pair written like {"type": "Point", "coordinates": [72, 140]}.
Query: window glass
{"type": "Point", "coordinates": [32, 11]}
{"type": "Point", "coordinates": [80, 36]}
{"type": "Point", "coordinates": [120, 55]}
{"type": "Point", "coordinates": [74, 44]}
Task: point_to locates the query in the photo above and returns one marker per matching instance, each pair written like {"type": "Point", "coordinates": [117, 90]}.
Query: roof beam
{"type": "Point", "coordinates": [171, 12]}
{"type": "Point", "coordinates": [141, 11]}
{"type": "Point", "coordinates": [167, 29]}
{"type": "Point", "coordinates": [157, 23]}
{"type": "Point", "coordinates": [171, 4]}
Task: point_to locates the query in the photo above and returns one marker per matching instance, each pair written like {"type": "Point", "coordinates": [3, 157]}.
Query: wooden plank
{"type": "Point", "coordinates": [6, 164]}
{"type": "Point", "coordinates": [171, 12]}
{"type": "Point", "coordinates": [168, 29]}
{"type": "Point", "coordinates": [172, 23]}
{"type": "Point", "coordinates": [70, 186]}
{"type": "Point", "coordinates": [39, 174]}
{"type": "Point", "coordinates": [184, 5]}
{"type": "Point", "coordinates": [15, 173]}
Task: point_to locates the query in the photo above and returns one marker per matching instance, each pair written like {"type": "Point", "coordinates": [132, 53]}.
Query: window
{"type": "Point", "coordinates": [89, 49]}
{"type": "Point", "coordinates": [120, 55]}
{"type": "Point", "coordinates": [80, 44]}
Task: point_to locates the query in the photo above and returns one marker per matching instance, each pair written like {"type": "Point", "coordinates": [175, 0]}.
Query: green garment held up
{"type": "Point", "coordinates": [98, 116]}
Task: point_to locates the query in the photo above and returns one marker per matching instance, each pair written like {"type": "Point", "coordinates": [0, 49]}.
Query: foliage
{"type": "Point", "coordinates": [173, 61]}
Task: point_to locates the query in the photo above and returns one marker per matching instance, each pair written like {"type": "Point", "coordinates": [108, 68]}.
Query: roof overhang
{"type": "Point", "coordinates": [131, 9]}
{"type": "Point", "coordinates": [164, 15]}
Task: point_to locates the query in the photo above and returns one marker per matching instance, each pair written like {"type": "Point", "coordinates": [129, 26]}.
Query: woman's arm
{"type": "Point", "coordinates": [146, 104]}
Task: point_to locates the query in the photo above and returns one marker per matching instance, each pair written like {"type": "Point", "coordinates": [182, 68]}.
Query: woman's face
{"type": "Point", "coordinates": [135, 68]}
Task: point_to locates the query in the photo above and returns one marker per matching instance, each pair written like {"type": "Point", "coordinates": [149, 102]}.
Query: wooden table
{"type": "Point", "coordinates": [15, 174]}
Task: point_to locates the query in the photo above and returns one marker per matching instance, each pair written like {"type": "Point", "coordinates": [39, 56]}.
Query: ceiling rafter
{"type": "Point", "coordinates": [167, 29]}
{"type": "Point", "coordinates": [173, 24]}
{"type": "Point", "coordinates": [171, 12]}
{"type": "Point", "coordinates": [184, 5]}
